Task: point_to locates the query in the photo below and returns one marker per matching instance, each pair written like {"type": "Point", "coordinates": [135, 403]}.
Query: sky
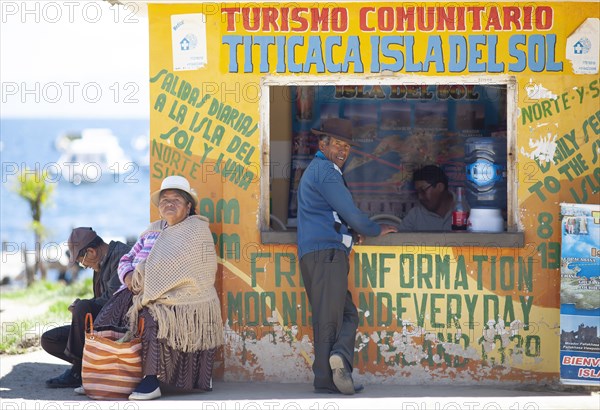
{"type": "Point", "coordinates": [65, 59]}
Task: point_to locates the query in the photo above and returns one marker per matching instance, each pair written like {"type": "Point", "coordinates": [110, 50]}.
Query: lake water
{"type": "Point", "coordinates": [116, 207]}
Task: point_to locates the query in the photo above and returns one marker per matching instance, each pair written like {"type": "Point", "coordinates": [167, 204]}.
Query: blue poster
{"type": "Point", "coordinates": [580, 295]}
{"type": "Point", "coordinates": [397, 129]}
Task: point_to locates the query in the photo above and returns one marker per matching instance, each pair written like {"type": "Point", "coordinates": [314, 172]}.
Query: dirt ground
{"type": "Point", "coordinates": [24, 376]}
{"type": "Point", "coordinates": [27, 372]}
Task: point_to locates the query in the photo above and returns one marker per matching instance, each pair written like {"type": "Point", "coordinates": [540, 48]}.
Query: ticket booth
{"type": "Point", "coordinates": [235, 90]}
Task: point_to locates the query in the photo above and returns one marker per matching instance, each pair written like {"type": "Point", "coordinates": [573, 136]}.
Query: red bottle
{"type": "Point", "coordinates": [460, 213]}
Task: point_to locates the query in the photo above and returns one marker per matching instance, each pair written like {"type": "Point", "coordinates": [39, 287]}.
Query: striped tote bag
{"type": "Point", "coordinates": [111, 369]}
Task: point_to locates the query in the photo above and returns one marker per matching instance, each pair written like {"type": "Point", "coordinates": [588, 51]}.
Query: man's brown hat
{"type": "Point", "coordinates": [79, 239]}
{"type": "Point", "coordinates": [338, 128]}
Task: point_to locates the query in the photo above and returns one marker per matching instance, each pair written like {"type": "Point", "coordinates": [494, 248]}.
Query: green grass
{"type": "Point", "coordinates": [19, 336]}
{"type": "Point", "coordinates": [45, 290]}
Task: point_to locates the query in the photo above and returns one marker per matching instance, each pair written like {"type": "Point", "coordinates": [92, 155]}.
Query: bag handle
{"type": "Point", "coordinates": [89, 323]}
{"type": "Point", "coordinates": [140, 326]}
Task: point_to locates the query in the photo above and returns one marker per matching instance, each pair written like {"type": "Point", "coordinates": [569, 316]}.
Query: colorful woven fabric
{"type": "Point", "coordinates": [111, 369]}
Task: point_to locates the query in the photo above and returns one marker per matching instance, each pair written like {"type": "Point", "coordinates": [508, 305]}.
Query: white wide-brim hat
{"type": "Point", "coordinates": [174, 182]}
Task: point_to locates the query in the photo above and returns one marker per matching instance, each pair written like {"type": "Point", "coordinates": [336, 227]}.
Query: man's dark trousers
{"type": "Point", "coordinates": [66, 342]}
{"type": "Point", "coordinates": [334, 315]}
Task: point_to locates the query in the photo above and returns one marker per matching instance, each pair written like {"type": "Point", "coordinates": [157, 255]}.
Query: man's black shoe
{"type": "Point", "coordinates": [357, 389]}
{"type": "Point", "coordinates": [341, 376]}
{"type": "Point", "coordinates": [326, 390]}
{"type": "Point", "coordinates": [68, 379]}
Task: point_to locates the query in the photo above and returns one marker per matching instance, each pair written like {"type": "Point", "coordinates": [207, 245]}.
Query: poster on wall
{"type": "Point", "coordinates": [188, 36]}
{"type": "Point", "coordinates": [397, 129]}
{"type": "Point", "coordinates": [580, 295]}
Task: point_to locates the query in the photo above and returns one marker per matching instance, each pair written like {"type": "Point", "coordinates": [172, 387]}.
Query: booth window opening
{"type": "Point", "coordinates": [400, 125]}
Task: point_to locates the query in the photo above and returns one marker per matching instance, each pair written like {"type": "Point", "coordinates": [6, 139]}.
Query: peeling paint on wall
{"type": "Point", "coordinates": [543, 149]}
{"type": "Point", "coordinates": [414, 353]}
{"type": "Point", "coordinates": [538, 91]}
{"type": "Point", "coordinates": [276, 355]}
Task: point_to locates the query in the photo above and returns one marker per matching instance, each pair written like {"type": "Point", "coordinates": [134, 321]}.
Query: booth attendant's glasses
{"type": "Point", "coordinates": [421, 191]}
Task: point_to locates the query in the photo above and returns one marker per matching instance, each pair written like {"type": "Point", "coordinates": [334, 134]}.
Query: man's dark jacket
{"type": "Point", "coordinates": [106, 282]}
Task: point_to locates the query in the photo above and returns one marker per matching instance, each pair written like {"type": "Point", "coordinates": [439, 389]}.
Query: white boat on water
{"type": "Point", "coordinates": [62, 142]}
{"type": "Point", "coordinates": [93, 157]}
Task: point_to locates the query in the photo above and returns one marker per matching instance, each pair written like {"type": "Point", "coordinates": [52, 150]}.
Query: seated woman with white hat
{"type": "Point", "coordinates": [171, 272]}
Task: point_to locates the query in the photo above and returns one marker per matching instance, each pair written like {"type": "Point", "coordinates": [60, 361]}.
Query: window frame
{"type": "Point", "coordinates": [512, 237]}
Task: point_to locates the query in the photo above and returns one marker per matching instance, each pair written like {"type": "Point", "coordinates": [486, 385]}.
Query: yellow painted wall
{"type": "Point", "coordinates": [428, 314]}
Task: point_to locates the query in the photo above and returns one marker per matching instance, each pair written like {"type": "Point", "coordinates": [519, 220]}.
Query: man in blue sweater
{"type": "Point", "coordinates": [327, 222]}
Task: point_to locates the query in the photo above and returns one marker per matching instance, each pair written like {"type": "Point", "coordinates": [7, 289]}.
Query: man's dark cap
{"type": "Point", "coordinates": [78, 240]}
